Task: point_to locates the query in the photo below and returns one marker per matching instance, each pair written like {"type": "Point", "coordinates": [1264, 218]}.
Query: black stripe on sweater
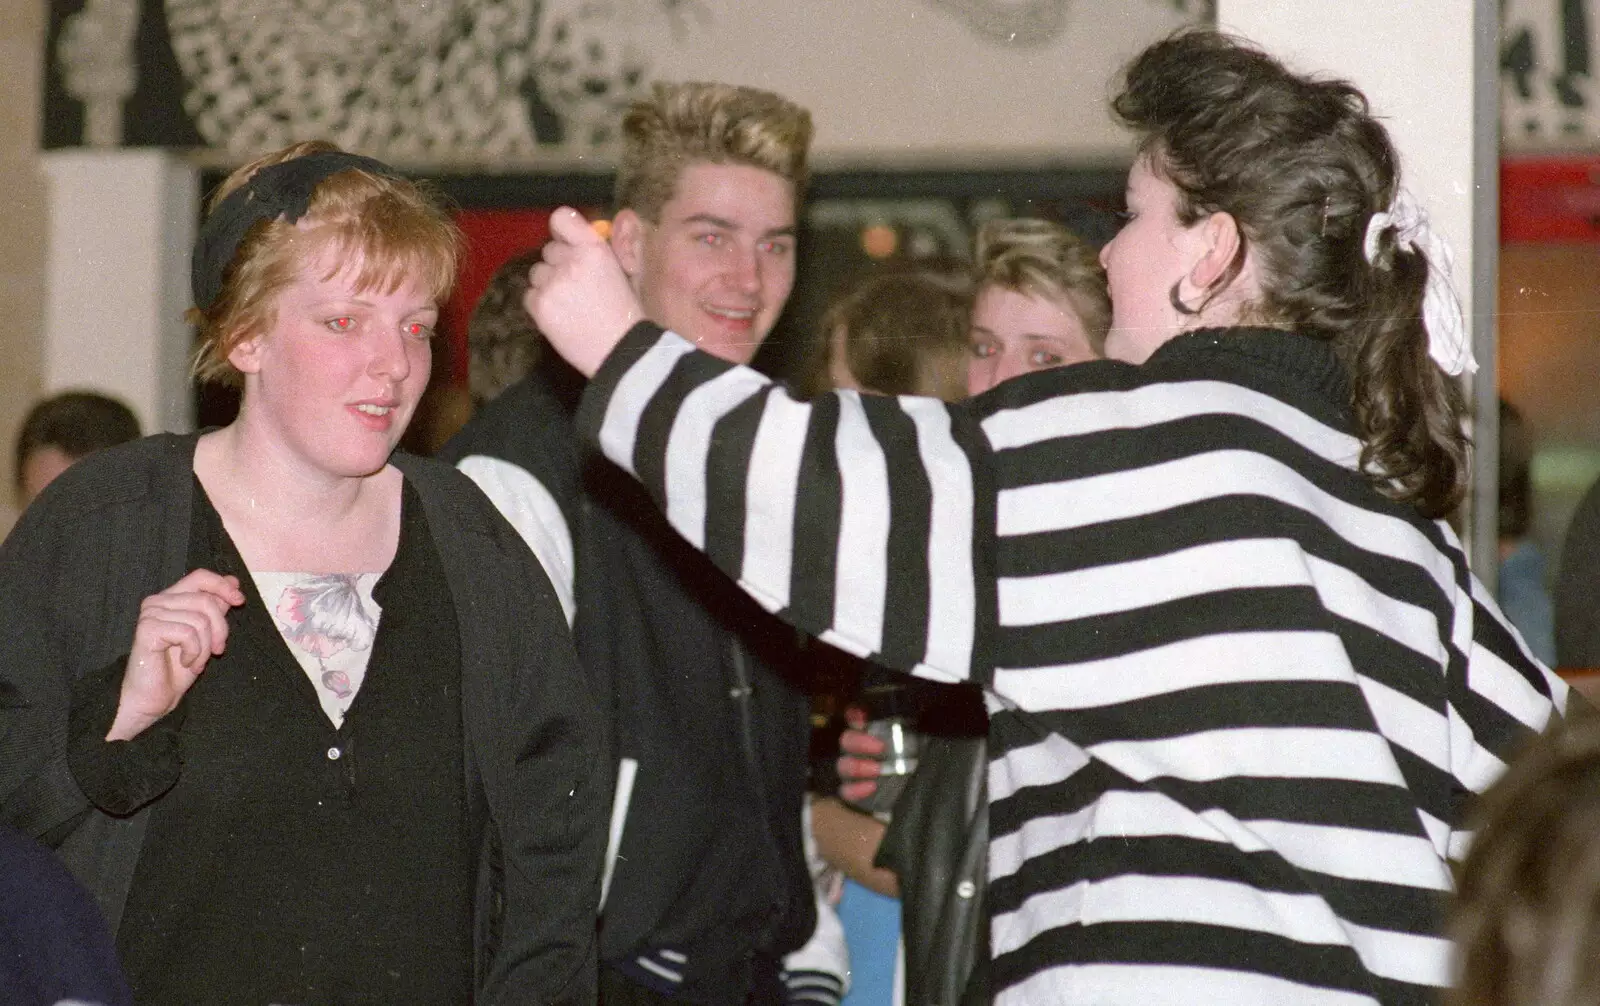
{"type": "Point", "coordinates": [910, 504]}
{"type": "Point", "coordinates": [814, 565]}
{"type": "Point", "coordinates": [1098, 637]}
{"type": "Point", "coordinates": [1375, 904]}
{"type": "Point", "coordinates": [1209, 521]}
{"type": "Point", "coordinates": [732, 441]}
{"type": "Point", "coordinates": [1187, 945]}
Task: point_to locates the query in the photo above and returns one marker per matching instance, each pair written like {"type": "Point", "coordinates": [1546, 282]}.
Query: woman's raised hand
{"type": "Point", "coordinates": [579, 297]}
{"type": "Point", "coordinates": [179, 630]}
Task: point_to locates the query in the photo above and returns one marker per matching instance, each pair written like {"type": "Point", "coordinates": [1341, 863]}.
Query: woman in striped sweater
{"type": "Point", "coordinates": [1241, 681]}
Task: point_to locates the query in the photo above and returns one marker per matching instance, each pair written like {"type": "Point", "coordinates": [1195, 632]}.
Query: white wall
{"type": "Point", "coordinates": [122, 224]}
{"type": "Point", "coordinates": [910, 80]}
{"type": "Point", "coordinates": [1417, 71]}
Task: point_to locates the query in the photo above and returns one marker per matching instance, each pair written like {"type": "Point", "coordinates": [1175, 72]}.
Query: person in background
{"type": "Point", "coordinates": [1240, 679]}
{"type": "Point", "coordinates": [899, 332]}
{"type": "Point", "coordinates": [1526, 916]}
{"type": "Point", "coordinates": [298, 708]}
{"type": "Point", "coordinates": [708, 897]}
{"type": "Point", "coordinates": [54, 945]}
{"type": "Point", "coordinates": [1520, 585]}
{"type": "Point", "coordinates": [502, 344]}
{"type": "Point", "coordinates": [62, 429]}
{"type": "Point", "coordinates": [1577, 610]}
{"type": "Point", "coordinates": [1042, 303]}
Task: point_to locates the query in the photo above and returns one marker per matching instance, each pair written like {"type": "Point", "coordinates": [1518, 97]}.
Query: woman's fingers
{"type": "Point", "coordinates": [858, 742]}
{"type": "Point", "coordinates": [202, 600]}
{"type": "Point", "coordinates": [855, 792]}
{"type": "Point", "coordinates": [858, 769]}
{"type": "Point", "coordinates": [226, 587]}
{"type": "Point", "coordinates": [178, 632]}
{"type": "Point", "coordinates": [196, 622]}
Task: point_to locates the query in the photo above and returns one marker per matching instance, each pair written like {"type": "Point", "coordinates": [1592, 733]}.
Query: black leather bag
{"type": "Point", "coordinates": [938, 845]}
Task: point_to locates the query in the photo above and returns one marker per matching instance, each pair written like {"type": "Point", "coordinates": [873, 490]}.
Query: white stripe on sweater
{"type": "Point", "coordinates": [1154, 488]}
{"type": "Point", "coordinates": [1046, 763]}
{"type": "Point", "coordinates": [620, 429]}
{"type": "Point", "coordinates": [1304, 918]}
{"type": "Point", "coordinates": [1408, 723]}
{"type": "Point", "coordinates": [863, 547]}
{"type": "Point", "coordinates": [771, 491]}
{"type": "Point", "coordinates": [1210, 568]}
{"type": "Point", "coordinates": [1199, 662]}
{"type": "Point", "coordinates": [1168, 985]}
{"type": "Point", "coordinates": [1357, 854]}
{"type": "Point", "coordinates": [1266, 752]}
{"type": "Point", "coordinates": [689, 446]}
{"type": "Point", "coordinates": [1098, 411]}
{"type": "Point", "coordinates": [1117, 814]}
{"type": "Point", "coordinates": [953, 592]}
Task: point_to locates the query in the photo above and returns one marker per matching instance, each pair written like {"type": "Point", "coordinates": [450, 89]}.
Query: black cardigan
{"type": "Point", "coordinates": [115, 528]}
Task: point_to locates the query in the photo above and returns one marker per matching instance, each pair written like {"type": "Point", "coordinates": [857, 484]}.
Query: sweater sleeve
{"type": "Point", "coordinates": [119, 777]}
{"type": "Point", "coordinates": [852, 516]}
{"type": "Point", "coordinates": [38, 795]}
{"type": "Point", "coordinates": [1499, 696]}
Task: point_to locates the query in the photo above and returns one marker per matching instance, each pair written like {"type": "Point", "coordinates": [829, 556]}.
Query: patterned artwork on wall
{"type": "Point", "coordinates": [430, 82]}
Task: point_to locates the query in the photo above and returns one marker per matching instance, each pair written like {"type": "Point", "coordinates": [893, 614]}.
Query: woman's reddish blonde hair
{"type": "Point", "coordinates": [394, 228]}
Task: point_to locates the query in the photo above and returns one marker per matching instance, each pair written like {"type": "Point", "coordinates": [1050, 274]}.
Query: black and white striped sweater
{"type": "Point", "coordinates": [1237, 696]}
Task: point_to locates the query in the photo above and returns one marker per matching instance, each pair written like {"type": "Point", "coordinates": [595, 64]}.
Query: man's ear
{"type": "Point", "coordinates": [1219, 239]}
{"type": "Point", "coordinates": [627, 240]}
{"type": "Point", "coordinates": [246, 355]}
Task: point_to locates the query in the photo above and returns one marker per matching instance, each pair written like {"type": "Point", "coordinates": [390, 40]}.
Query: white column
{"type": "Point", "coordinates": [1423, 64]}
{"type": "Point", "coordinates": [122, 224]}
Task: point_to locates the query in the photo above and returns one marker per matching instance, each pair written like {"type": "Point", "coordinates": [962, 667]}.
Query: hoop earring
{"type": "Point", "coordinates": [1177, 302]}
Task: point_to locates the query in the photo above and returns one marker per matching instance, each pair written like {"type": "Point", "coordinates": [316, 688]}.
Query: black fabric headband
{"type": "Point", "coordinates": [282, 189]}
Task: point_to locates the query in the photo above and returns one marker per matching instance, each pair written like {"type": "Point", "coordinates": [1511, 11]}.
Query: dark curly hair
{"type": "Point", "coordinates": [1301, 165]}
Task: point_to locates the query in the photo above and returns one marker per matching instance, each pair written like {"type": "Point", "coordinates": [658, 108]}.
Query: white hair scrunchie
{"type": "Point", "coordinates": [1449, 343]}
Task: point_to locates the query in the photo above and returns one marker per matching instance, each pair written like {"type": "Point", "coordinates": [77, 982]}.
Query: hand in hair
{"type": "Point", "coordinates": [579, 296]}
{"type": "Point", "coordinates": [178, 632]}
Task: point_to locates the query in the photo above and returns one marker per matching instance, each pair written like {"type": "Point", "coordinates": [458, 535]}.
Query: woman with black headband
{"type": "Point", "coordinates": [301, 710]}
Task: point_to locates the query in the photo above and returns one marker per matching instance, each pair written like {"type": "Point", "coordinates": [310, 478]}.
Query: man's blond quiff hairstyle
{"type": "Point", "coordinates": [694, 122]}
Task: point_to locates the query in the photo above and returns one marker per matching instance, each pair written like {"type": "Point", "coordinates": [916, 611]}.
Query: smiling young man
{"type": "Point", "coordinates": [707, 896]}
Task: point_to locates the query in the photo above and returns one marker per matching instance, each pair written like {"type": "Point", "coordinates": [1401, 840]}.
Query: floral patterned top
{"type": "Point", "coordinates": [329, 621]}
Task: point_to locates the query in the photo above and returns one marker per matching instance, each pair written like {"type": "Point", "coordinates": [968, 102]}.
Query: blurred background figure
{"type": "Point", "coordinates": [1040, 303]}
{"type": "Point", "coordinates": [1526, 919]}
{"type": "Point", "coordinates": [54, 944]}
{"type": "Point", "coordinates": [1577, 610]}
{"type": "Point", "coordinates": [62, 429]}
{"type": "Point", "coordinates": [502, 344]}
{"type": "Point", "coordinates": [899, 333]}
{"type": "Point", "coordinates": [1521, 582]}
